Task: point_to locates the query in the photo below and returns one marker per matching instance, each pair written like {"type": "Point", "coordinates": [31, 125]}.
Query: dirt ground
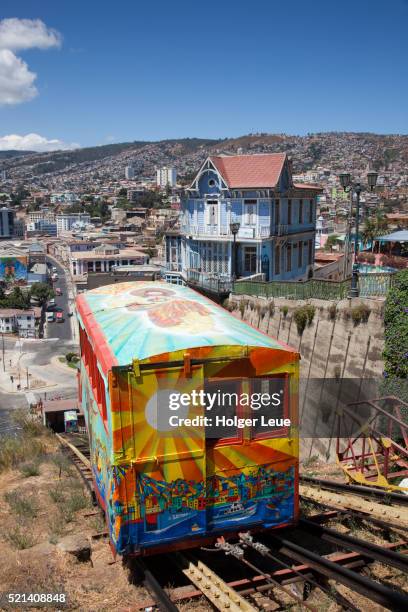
{"type": "Point", "coordinates": [44, 500]}
{"type": "Point", "coordinates": [37, 512]}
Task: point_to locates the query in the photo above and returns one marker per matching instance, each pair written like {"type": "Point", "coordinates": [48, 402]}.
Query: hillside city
{"type": "Point", "coordinates": [220, 216]}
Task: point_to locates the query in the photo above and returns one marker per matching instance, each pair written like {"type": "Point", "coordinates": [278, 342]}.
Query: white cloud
{"type": "Point", "coordinates": [16, 79]}
{"type": "Point", "coordinates": [17, 34]}
{"type": "Point", "coordinates": [34, 142]}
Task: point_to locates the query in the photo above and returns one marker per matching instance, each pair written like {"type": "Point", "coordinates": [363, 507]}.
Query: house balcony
{"type": "Point", "coordinates": [223, 232]}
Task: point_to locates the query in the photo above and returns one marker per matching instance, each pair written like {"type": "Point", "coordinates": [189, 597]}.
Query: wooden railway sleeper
{"type": "Point", "coordinates": [247, 541]}
{"type": "Point", "coordinates": [217, 591]}
{"type": "Point", "coordinates": [237, 552]}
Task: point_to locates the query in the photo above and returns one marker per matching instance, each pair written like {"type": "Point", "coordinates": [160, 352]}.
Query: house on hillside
{"type": "Point", "coordinates": [255, 196]}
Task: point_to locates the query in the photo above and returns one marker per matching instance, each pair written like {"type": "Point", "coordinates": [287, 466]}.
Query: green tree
{"type": "Point", "coordinates": [368, 232]}
{"type": "Point", "coordinates": [16, 299]}
{"type": "Point", "coordinates": [330, 242]}
{"type": "Point", "coordinates": [42, 292]}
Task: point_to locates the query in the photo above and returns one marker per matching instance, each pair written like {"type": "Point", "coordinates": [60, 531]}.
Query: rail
{"type": "Point", "coordinates": [362, 490]}
{"type": "Point", "coordinates": [315, 568]}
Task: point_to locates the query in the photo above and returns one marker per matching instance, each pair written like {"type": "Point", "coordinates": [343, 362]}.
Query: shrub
{"type": "Point", "coordinates": [394, 262]}
{"type": "Point", "coordinates": [370, 258]}
{"type": "Point", "coordinates": [77, 501]}
{"type": "Point", "coordinates": [332, 310]}
{"type": "Point", "coordinates": [70, 356]}
{"type": "Point", "coordinates": [22, 506]}
{"type": "Point", "coordinates": [20, 539]}
{"type": "Point", "coordinates": [301, 318]}
{"type": "Point", "coordinates": [63, 463]}
{"type": "Point", "coordinates": [16, 449]}
{"type": "Point", "coordinates": [31, 426]}
{"type": "Point", "coordinates": [347, 314]}
{"type": "Point", "coordinates": [304, 315]}
{"type": "Point", "coordinates": [242, 309]}
{"type": "Point", "coordinates": [56, 494]}
{"type": "Point", "coordinates": [395, 352]}
{"type": "Point", "coordinates": [310, 313]}
{"type": "Point", "coordinates": [284, 310]}
{"type": "Point", "coordinates": [271, 309]}
{"type": "Point", "coordinates": [263, 311]}
{"type": "Point", "coordinates": [360, 314]}
{"type": "Point", "coordinates": [31, 468]}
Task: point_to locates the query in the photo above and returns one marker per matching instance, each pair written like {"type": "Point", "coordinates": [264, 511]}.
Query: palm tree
{"type": "Point", "coordinates": [368, 232]}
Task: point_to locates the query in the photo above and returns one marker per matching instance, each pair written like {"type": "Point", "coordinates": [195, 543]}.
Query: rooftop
{"type": "Point", "coordinates": [259, 170]}
{"type": "Point", "coordinates": [139, 320]}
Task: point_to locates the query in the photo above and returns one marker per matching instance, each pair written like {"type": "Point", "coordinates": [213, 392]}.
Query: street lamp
{"type": "Point", "coordinates": [234, 227]}
{"type": "Point", "coordinates": [356, 188]}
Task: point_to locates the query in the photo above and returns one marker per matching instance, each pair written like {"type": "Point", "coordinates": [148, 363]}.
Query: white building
{"type": "Point", "coordinates": [166, 177]}
{"type": "Point", "coordinates": [21, 321]}
{"type": "Point", "coordinates": [129, 173]}
{"type": "Point", "coordinates": [44, 214]}
{"type": "Point", "coordinates": [65, 222]}
{"type": "Point", "coordinates": [65, 197]}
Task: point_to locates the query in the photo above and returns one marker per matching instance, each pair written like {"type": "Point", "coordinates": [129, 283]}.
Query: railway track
{"type": "Point", "coordinates": [381, 508]}
{"type": "Point", "coordinates": [372, 493]}
{"type": "Point", "coordinates": [269, 569]}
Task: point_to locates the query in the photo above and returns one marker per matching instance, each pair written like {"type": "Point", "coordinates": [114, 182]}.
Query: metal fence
{"type": "Point", "coordinates": [371, 285]}
{"type": "Point", "coordinates": [376, 284]}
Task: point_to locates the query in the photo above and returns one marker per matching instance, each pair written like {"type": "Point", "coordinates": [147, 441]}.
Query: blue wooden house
{"type": "Point", "coordinates": [276, 217]}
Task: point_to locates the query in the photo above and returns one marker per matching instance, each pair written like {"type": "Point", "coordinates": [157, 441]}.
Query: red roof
{"type": "Point", "coordinates": [258, 170]}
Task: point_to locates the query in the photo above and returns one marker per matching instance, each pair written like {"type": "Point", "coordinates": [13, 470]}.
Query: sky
{"type": "Point", "coordinates": [83, 73]}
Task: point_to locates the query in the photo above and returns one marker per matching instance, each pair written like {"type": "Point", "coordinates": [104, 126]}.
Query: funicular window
{"type": "Point", "coordinates": [225, 394]}
{"type": "Point", "coordinates": [277, 387]}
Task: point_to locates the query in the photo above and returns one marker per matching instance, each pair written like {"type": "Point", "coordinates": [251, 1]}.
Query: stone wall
{"type": "Point", "coordinates": [340, 361]}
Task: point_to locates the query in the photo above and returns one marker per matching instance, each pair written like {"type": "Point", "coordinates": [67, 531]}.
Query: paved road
{"type": "Point", "coordinates": [63, 330]}
{"type": "Point", "coordinates": [58, 341]}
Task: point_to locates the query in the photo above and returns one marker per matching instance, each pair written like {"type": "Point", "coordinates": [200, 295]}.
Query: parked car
{"type": "Point", "coordinates": [49, 317]}
{"type": "Point", "coordinates": [58, 291]}
{"type": "Point", "coordinates": [60, 317]}
{"type": "Point", "coordinates": [51, 302]}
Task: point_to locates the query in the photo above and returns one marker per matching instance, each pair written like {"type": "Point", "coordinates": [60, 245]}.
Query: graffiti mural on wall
{"type": "Point", "coordinates": [13, 269]}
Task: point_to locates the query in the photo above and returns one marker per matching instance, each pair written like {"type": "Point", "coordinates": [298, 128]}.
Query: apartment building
{"type": "Point", "coordinates": [67, 222]}
{"type": "Point", "coordinates": [166, 177]}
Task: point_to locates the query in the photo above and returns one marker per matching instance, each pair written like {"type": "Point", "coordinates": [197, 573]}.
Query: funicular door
{"type": "Point", "coordinates": [168, 453]}
{"type": "Point", "coordinates": [225, 456]}
{"type": "Point", "coordinates": [245, 460]}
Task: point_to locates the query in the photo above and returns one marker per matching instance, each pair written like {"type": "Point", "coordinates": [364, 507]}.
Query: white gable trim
{"type": "Point", "coordinates": [206, 167]}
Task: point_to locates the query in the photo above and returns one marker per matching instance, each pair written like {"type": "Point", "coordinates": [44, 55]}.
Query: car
{"type": "Point", "coordinates": [51, 302]}
{"type": "Point", "coordinates": [58, 291]}
{"type": "Point", "coordinates": [60, 317]}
